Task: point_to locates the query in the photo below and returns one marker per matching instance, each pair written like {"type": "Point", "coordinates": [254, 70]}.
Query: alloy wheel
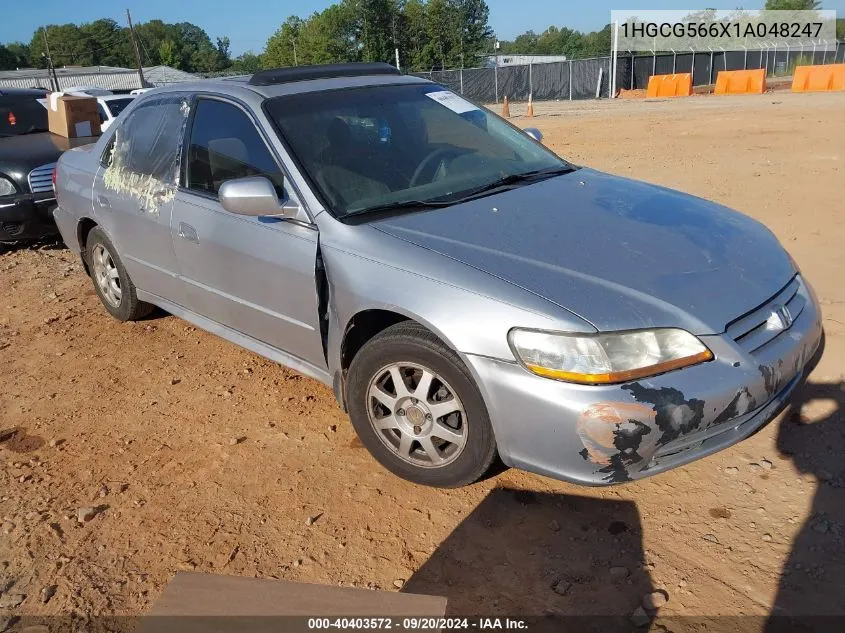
{"type": "Point", "coordinates": [417, 415]}
{"type": "Point", "coordinates": [106, 275]}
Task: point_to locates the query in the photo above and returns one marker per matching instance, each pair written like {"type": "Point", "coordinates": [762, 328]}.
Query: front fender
{"type": "Point", "coordinates": [468, 309]}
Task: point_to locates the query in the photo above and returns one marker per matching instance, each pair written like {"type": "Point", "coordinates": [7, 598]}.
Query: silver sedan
{"type": "Point", "coordinates": [466, 293]}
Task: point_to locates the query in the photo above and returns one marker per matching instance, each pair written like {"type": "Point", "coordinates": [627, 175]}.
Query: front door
{"type": "Point", "coordinates": [254, 275]}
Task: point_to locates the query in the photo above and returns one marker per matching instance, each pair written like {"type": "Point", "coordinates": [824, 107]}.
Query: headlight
{"type": "Point", "coordinates": [607, 357]}
{"type": "Point", "coordinates": [7, 187]}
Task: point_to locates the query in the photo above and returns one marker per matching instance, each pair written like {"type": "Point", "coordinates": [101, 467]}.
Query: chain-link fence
{"type": "Point", "coordinates": [576, 79]}
{"type": "Point", "coordinates": [590, 78]}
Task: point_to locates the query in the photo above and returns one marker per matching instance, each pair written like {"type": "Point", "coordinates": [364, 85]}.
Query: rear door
{"type": "Point", "coordinates": [134, 191]}
{"type": "Point", "coordinates": [254, 275]}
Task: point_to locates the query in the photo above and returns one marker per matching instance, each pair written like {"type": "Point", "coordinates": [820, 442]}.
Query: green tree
{"type": "Point", "coordinates": [68, 46]}
{"type": "Point", "coordinates": [246, 63]}
{"type": "Point", "coordinates": [439, 27]}
{"type": "Point", "coordinates": [413, 36]}
{"type": "Point", "coordinates": [377, 20]}
{"type": "Point", "coordinates": [473, 30]}
{"type": "Point", "coordinates": [561, 41]}
{"type": "Point", "coordinates": [19, 55]}
{"type": "Point", "coordinates": [331, 36]}
{"type": "Point", "coordinates": [280, 48]}
{"type": "Point", "coordinates": [428, 34]}
{"type": "Point", "coordinates": [168, 55]}
{"type": "Point", "coordinates": [107, 43]}
{"type": "Point", "coordinates": [792, 5]}
{"type": "Point", "coordinates": [7, 59]}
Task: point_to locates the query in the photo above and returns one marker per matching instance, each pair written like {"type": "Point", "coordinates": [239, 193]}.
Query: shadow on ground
{"type": "Point", "coordinates": [542, 555]}
{"type": "Point", "coordinates": [44, 244]}
{"type": "Point", "coordinates": [812, 584]}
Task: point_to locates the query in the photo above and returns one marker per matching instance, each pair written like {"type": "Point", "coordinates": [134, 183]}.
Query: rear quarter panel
{"type": "Point", "coordinates": [75, 174]}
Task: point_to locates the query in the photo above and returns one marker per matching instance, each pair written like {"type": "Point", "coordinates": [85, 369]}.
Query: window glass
{"type": "Point", "coordinates": [145, 152]}
{"type": "Point", "coordinates": [365, 148]}
{"type": "Point", "coordinates": [116, 106]}
{"type": "Point", "coordinates": [150, 138]}
{"type": "Point", "coordinates": [226, 145]}
{"type": "Point", "coordinates": [22, 115]}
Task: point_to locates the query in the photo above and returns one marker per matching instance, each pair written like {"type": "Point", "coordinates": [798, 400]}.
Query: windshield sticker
{"type": "Point", "coordinates": [451, 101]}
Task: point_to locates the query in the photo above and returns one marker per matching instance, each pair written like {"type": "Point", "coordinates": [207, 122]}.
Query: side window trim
{"type": "Point", "coordinates": [289, 185]}
{"type": "Point", "coordinates": [186, 141]}
{"type": "Point", "coordinates": [104, 158]}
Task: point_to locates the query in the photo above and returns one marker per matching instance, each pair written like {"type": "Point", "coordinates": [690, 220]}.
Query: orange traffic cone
{"type": "Point", "coordinates": [506, 109]}
{"type": "Point", "coordinates": [530, 111]}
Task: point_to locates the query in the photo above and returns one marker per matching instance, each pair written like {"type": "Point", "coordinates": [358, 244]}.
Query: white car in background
{"type": "Point", "coordinates": [110, 107]}
{"type": "Point", "coordinates": [87, 91]}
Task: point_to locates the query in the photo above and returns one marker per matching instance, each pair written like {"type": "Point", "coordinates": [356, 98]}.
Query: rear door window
{"type": "Point", "coordinates": [146, 150]}
{"type": "Point", "coordinates": [151, 136]}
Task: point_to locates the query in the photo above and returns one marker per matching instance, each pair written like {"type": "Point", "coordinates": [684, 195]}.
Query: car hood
{"type": "Point", "coordinates": [620, 254]}
{"type": "Point", "coordinates": [28, 151]}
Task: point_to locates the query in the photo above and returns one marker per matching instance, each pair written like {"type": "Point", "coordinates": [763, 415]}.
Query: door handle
{"type": "Point", "coordinates": [187, 232]}
{"type": "Point", "coordinates": [103, 202]}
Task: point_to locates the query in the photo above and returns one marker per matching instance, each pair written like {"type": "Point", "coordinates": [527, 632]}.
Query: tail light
{"type": "Point", "coordinates": [12, 119]}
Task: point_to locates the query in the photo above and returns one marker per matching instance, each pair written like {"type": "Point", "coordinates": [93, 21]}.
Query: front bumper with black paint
{"type": "Point", "coordinates": [605, 434]}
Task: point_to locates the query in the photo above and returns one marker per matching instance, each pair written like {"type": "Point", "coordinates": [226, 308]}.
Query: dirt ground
{"type": "Point", "coordinates": [197, 455]}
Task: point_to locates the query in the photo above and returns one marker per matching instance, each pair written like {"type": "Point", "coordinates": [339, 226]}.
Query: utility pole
{"type": "Point", "coordinates": [50, 67]}
{"type": "Point", "coordinates": [293, 41]}
{"type": "Point", "coordinates": [395, 45]}
{"type": "Point", "coordinates": [137, 52]}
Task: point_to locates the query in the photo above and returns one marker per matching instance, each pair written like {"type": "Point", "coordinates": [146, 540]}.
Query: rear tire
{"type": "Point", "coordinates": [111, 281]}
{"type": "Point", "coordinates": [434, 428]}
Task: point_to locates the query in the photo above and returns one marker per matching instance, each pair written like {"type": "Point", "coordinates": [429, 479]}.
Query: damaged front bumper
{"type": "Point", "coordinates": [600, 435]}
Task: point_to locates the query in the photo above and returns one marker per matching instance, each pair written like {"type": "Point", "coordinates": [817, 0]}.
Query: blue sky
{"type": "Point", "coordinates": [253, 21]}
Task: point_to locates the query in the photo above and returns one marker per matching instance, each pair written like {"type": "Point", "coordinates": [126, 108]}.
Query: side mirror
{"type": "Point", "coordinates": [255, 196]}
{"type": "Point", "coordinates": [534, 133]}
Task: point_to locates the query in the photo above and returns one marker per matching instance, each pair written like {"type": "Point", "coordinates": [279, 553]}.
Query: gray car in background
{"type": "Point", "coordinates": [465, 292]}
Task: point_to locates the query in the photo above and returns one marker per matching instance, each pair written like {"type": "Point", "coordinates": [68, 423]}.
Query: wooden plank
{"type": "Point", "coordinates": [208, 603]}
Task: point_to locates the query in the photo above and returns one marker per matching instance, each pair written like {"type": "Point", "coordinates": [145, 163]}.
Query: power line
{"type": "Point", "coordinates": [137, 52]}
{"type": "Point", "coordinates": [144, 46]}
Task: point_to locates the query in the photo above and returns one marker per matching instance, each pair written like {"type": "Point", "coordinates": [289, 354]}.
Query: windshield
{"type": "Point", "coordinates": [21, 114]}
{"type": "Point", "coordinates": [376, 148]}
{"type": "Point", "coordinates": [116, 106]}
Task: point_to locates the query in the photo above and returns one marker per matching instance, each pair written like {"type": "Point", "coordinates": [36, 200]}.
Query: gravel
{"type": "Point", "coordinates": [619, 573]}
{"type": "Point", "coordinates": [83, 515]}
{"type": "Point", "coordinates": [640, 617]}
{"type": "Point", "coordinates": [562, 587]}
{"type": "Point", "coordinates": [655, 600]}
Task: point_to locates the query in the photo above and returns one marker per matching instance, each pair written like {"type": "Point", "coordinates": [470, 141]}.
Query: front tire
{"type": "Point", "coordinates": [111, 281]}
{"type": "Point", "coordinates": [417, 409]}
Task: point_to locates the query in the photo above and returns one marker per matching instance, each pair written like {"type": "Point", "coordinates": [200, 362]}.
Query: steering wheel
{"type": "Point", "coordinates": [438, 153]}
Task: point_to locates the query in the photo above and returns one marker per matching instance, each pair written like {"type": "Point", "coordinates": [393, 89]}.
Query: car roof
{"type": "Point", "coordinates": [91, 91]}
{"type": "Point", "coordinates": [115, 97]}
{"type": "Point", "coordinates": [21, 92]}
{"type": "Point", "coordinates": [240, 87]}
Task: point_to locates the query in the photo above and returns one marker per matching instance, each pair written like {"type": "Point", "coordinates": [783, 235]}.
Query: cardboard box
{"type": "Point", "coordinates": [73, 117]}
